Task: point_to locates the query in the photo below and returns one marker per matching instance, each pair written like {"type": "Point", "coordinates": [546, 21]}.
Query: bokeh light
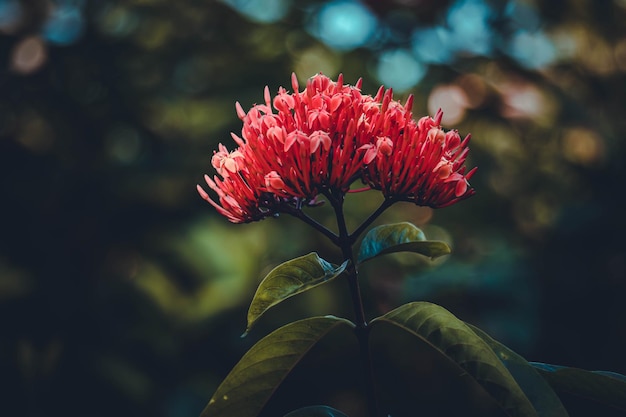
{"type": "Point", "coordinates": [399, 69]}
{"type": "Point", "coordinates": [116, 20]}
{"type": "Point", "coordinates": [432, 45]}
{"type": "Point", "coordinates": [522, 15]}
{"type": "Point", "coordinates": [465, 30]}
{"type": "Point", "coordinates": [469, 28]}
{"type": "Point", "coordinates": [343, 25]}
{"type": "Point", "coordinates": [452, 99]}
{"type": "Point", "coordinates": [522, 100]}
{"type": "Point", "coordinates": [583, 146]}
{"type": "Point", "coordinates": [316, 59]}
{"type": "Point", "coordinates": [10, 15]}
{"type": "Point", "coordinates": [532, 50]}
{"type": "Point", "coordinates": [263, 11]}
{"type": "Point", "coordinates": [475, 89]}
{"type": "Point", "coordinates": [65, 23]}
{"type": "Point", "coordinates": [28, 55]}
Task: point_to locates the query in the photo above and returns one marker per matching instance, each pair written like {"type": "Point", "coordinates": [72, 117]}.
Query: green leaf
{"type": "Point", "coordinates": [543, 398]}
{"type": "Point", "coordinates": [251, 383]}
{"type": "Point", "coordinates": [316, 411]}
{"type": "Point", "coordinates": [458, 343]}
{"type": "Point", "coordinates": [607, 388]}
{"type": "Point", "coordinates": [399, 237]}
{"type": "Point", "coordinates": [288, 279]}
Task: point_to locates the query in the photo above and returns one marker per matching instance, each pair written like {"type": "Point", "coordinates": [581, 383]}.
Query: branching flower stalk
{"type": "Point", "coordinates": [367, 222]}
{"type": "Point", "coordinates": [345, 242]}
{"type": "Point", "coordinates": [299, 214]}
{"type": "Point", "coordinates": [319, 142]}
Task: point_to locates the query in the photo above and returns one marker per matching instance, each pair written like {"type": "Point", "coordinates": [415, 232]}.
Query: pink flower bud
{"type": "Point", "coordinates": [273, 182]}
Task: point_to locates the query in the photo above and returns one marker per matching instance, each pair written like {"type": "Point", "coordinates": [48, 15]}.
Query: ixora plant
{"type": "Point", "coordinates": [300, 148]}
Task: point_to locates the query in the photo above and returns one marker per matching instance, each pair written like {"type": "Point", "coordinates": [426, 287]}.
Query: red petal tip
{"type": "Point", "coordinates": [240, 111]}
{"type": "Point", "coordinates": [294, 82]}
{"type": "Point", "coordinates": [202, 193]}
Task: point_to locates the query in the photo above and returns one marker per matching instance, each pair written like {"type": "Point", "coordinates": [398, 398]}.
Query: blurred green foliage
{"type": "Point", "coordinates": [122, 292]}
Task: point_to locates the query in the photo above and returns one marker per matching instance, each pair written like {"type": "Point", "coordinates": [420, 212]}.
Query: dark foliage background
{"type": "Point", "coordinates": [123, 293]}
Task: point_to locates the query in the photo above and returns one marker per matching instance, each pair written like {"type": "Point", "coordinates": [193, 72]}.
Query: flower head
{"type": "Point", "coordinates": [417, 161]}
{"type": "Point", "coordinates": [292, 147]}
{"type": "Point", "coordinates": [297, 145]}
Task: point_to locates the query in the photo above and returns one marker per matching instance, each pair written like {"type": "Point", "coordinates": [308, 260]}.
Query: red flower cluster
{"type": "Point", "coordinates": [326, 137]}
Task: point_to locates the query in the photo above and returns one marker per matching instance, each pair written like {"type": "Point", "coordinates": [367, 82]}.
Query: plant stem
{"type": "Point", "coordinates": [384, 206]}
{"type": "Point", "coordinates": [298, 213]}
{"type": "Point", "coordinates": [362, 335]}
{"type": "Point", "coordinates": [362, 328]}
{"type": "Point", "coordinates": [346, 250]}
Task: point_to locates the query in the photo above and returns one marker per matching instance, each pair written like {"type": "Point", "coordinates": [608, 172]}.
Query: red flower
{"type": "Point", "coordinates": [326, 137]}
{"type": "Point", "coordinates": [416, 161]}
{"type": "Point", "coordinates": [286, 158]}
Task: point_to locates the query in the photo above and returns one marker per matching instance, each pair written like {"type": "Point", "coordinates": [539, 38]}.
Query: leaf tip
{"type": "Point", "coordinates": [444, 250]}
{"type": "Point", "coordinates": [244, 334]}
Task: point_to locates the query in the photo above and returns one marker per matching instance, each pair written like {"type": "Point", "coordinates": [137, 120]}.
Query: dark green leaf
{"type": "Point", "coordinates": [288, 279]}
{"type": "Point", "coordinates": [316, 411]}
{"type": "Point", "coordinates": [254, 379]}
{"type": "Point", "coordinates": [543, 398]}
{"type": "Point", "coordinates": [452, 338]}
{"type": "Point", "coordinates": [399, 237]}
{"type": "Point", "coordinates": [607, 388]}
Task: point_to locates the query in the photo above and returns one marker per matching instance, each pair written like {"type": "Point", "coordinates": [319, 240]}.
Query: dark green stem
{"type": "Point", "coordinates": [362, 328]}
{"type": "Point", "coordinates": [345, 245]}
{"type": "Point", "coordinates": [298, 213]}
{"type": "Point", "coordinates": [384, 206]}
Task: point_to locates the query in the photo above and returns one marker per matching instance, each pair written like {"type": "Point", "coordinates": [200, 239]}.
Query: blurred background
{"type": "Point", "coordinates": [123, 293]}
